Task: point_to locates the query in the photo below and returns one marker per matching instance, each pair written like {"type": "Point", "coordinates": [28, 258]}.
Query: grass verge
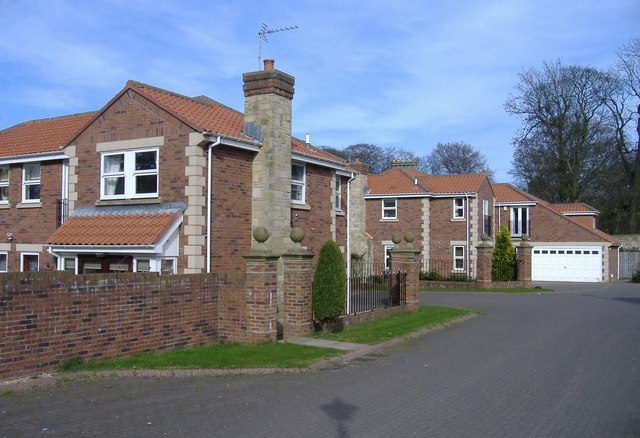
{"type": "Point", "coordinates": [374, 332]}
{"type": "Point", "coordinates": [274, 354]}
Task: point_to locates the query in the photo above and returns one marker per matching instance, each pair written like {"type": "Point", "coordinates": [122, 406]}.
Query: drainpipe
{"type": "Point", "coordinates": [466, 196]}
{"type": "Point", "coordinates": [349, 242]}
{"type": "Point", "coordinates": [209, 193]}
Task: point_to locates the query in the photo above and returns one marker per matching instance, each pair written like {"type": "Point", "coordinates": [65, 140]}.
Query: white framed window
{"type": "Point", "coordinates": [387, 256]}
{"type": "Point", "coordinates": [29, 262]}
{"type": "Point", "coordinates": [338, 187]}
{"type": "Point", "coordinates": [130, 174]}
{"type": "Point", "coordinates": [142, 265]}
{"type": "Point", "coordinates": [4, 261]}
{"type": "Point", "coordinates": [519, 221]}
{"type": "Point", "coordinates": [31, 182]}
{"type": "Point", "coordinates": [298, 182]}
{"type": "Point", "coordinates": [69, 264]}
{"type": "Point", "coordinates": [458, 208]}
{"type": "Point", "coordinates": [458, 258]}
{"type": "Point", "coordinates": [390, 209]}
{"type": "Point", "coordinates": [168, 266]}
{"type": "Point", "coordinates": [4, 184]}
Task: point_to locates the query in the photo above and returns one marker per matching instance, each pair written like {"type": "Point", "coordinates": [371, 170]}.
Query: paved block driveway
{"type": "Point", "coordinates": [549, 365]}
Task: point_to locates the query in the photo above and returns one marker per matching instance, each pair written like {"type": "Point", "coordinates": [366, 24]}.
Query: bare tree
{"type": "Point", "coordinates": [565, 146]}
{"type": "Point", "coordinates": [621, 98]}
{"type": "Point", "coordinates": [456, 158]}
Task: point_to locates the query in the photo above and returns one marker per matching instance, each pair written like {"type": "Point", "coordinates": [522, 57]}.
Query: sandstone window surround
{"type": "Point", "coordinates": [390, 209]}
{"type": "Point", "coordinates": [298, 183]}
{"type": "Point", "coordinates": [458, 208]}
{"type": "Point", "coordinates": [31, 182]}
{"type": "Point", "coordinates": [129, 174]}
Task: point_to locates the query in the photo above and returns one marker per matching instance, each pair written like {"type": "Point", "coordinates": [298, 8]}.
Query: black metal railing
{"type": "Point", "coordinates": [445, 270]}
{"type": "Point", "coordinates": [373, 287]}
{"type": "Point", "coordinates": [62, 211]}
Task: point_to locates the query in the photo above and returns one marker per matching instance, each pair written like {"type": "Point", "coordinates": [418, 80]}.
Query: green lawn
{"type": "Point", "coordinates": [374, 332]}
{"type": "Point", "coordinates": [274, 354]}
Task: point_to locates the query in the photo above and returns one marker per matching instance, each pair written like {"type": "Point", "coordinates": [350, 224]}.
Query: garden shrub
{"type": "Point", "coordinates": [329, 289]}
{"type": "Point", "coordinates": [503, 263]}
{"type": "Point", "coordinates": [636, 276]}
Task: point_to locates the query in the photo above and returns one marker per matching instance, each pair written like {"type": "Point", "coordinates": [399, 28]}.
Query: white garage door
{"type": "Point", "coordinates": [566, 264]}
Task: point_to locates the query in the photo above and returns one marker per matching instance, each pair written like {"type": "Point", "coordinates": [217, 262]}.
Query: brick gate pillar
{"type": "Point", "coordinates": [406, 258]}
{"type": "Point", "coordinates": [485, 259]}
{"type": "Point", "coordinates": [524, 263]}
{"type": "Point", "coordinates": [298, 277]}
{"type": "Point", "coordinates": [261, 288]}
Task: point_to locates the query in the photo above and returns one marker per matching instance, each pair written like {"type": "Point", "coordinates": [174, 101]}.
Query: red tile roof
{"type": "Point", "coordinates": [41, 136]}
{"type": "Point", "coordinates": [202, 114]}
{"type": "Point", "coordinates": [576, 207]}
{"type": "Point", "coordinates": [120, 230]}
{"type": "Point", "coordinates": [397, 181]}
{"type": "Point", "coordinates": [506, 193]}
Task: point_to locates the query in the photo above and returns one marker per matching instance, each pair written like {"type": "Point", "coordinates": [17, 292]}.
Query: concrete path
{"type": "Point", "coordinates": [325, 343]}
{"type": "Point", "coordinates": [549, 365]}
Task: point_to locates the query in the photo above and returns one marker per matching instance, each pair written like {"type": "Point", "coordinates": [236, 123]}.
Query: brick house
{"type": "Point", "coordinates": [567, 246]}
{"type": "Point", "coordinates": [447, 214]}
{"type": "Point", "coordinates": [160, 182]}
{"type": "Point", "coordinates": [33, 175]}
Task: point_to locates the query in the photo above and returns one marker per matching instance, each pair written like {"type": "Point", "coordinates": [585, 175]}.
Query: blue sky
{"type": "Point", "coordinates": [399, 73]}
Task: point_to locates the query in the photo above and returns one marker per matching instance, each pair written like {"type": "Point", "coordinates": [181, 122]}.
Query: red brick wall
{"type": "Point", "coordinates": [445, 229]}
{"type": "Point", "coordinates": [133, 117]}
{"type": "Point", "coordinates": [31, 225]}
{"type": "Point", "coordinates": [316, 221]}
{"type": "Point", "coordinates": [409, 220]}
{"type": "Point", "coordinates": [231, 208]}
{"type": "Point", "coordinates": [549, 226]}
{"type": "Point", "coordinates": [47, 318]}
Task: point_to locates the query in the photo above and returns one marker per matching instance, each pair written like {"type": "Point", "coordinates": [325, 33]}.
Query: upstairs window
{"type": "Point", "coordinates": [4, 184]}
{"type": "Point", "coordinates": [458, 208]}
{"type": "Point", "coordinates": [131, 174]}
{"type": "Point", "coordinates": [3, 262]}
{"type": "Point", "coordinates": [338, 193]}
{"type": "Point", "coordinates": [31, 182]}
{"type": "Point", "coordinates": [389, 209]}
{"type": "Point", "coordinates": [519, 221]}
{"type": "Point", "coordinates": [298, 179]}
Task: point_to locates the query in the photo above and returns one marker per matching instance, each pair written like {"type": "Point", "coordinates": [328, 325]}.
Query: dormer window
{"type": "Point", "coordinates": [131, 174]}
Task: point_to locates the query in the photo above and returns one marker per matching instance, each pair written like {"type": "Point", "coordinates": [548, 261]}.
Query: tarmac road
{"type": "Point", "coordinates": [565, 364]}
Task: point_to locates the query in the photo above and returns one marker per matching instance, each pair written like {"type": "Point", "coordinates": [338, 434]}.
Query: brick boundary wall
{"type": "Point", "coordinates": [49, 317]}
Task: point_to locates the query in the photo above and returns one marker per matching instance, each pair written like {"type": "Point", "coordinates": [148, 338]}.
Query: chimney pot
{"type": "Point", "coordinates": [268, 64]}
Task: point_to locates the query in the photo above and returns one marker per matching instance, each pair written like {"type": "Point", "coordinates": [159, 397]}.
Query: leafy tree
{"type": "Point", "coordinates": [329, 289]}
{"type": "Point", "coordinates": [456, 158]}
{"type": "Point", "coordinates": [503, 261]}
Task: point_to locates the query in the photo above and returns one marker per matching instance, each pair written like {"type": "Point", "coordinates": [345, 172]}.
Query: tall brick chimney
{"type": "Point", "coordinates": [267, 104]}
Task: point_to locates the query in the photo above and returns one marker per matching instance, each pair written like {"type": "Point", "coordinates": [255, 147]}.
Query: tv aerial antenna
{"type": "Point", "coordinates": [264, 32]}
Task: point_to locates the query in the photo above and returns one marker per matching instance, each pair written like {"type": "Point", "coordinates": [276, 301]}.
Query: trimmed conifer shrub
{"type": "Point", "coordinates": [503, 262]}
{"type": "Point", "coordinates": [329, 290]}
